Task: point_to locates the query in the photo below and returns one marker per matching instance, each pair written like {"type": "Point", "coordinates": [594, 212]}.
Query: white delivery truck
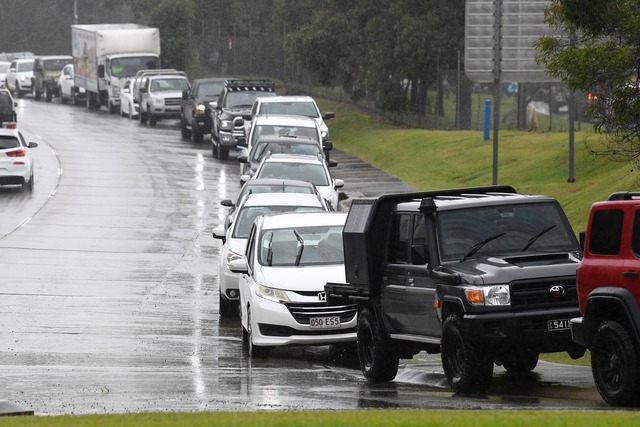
{"type": "Point", "coordinates": [105, 55]}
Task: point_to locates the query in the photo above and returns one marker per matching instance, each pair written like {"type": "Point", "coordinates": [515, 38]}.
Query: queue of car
{"type": "Point", "coordinates": [281, 240]}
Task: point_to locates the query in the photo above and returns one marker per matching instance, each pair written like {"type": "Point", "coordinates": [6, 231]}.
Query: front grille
{"type": "Point", "coordinates": [172, 101]}
{"type": "Point", "coordinates": [285, 331]}
{"type": "Point", "coordinates": [303, 312]}
{"type": "Point", "coordinates": [537, 293]}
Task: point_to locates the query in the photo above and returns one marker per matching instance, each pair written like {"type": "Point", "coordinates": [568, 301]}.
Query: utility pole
{"type": "Point", "coordinates": [75, 12]}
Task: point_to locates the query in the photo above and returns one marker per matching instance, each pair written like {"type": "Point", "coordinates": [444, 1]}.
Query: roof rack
{"type": "Point", "coordinates": [250, 85]}
{"type": "Point", "coordinates": [625, 195]}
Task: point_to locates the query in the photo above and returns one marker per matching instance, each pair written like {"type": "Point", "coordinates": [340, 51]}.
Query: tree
{"type": "Point", "coordinates": [597, 50]}
{"type": "Point", "coordinates": [175, 19]}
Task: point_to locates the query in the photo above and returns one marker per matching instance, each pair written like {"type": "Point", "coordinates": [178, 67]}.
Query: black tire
{"type": "Point", "coordinates": [153, 120]}
{"type": "Point", "coordinates": [254, 350]}
{"type": "Point", "coordinates": [28, 186]}
{"type": "Point", "coordinates": [467, 368]}
{"type": "Point", "coordinates": [48, 96]}
{"type": "Point", "coordinates": [113, 109]}
{"type": "Point", "coordinates": [378, 360]}
{"type": "Point", "coordinates": [63, 100]}
{"type": "Point", "coordinates": [228, 308]}
{"type": "Point", "coordinates": [614, 363]}
{"type": "Point", "coordinates": [143, 117]}
{"type": "Point", "coordinates": [19, 92]}
{"type": "Point", "coordinates": [521, 363]}
{"type": "Point", "coordinates": [184, 131]}
{"type": "Point", "coordinates": [196, 134]}
{"type": "Point", "coordinates": [36, 95]}
{"type": "Point", "coordinates": [223, 152]}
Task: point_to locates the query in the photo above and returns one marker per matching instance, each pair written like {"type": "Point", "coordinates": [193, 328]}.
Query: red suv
{"type": "Point", "coordinates": [608, 280]}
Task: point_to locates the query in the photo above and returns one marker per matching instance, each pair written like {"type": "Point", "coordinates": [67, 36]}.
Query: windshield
{"type": "Point", "coordinates": [298, 108]}
{"type": "Point", "coordinates": [274, 130]}
{"type": "Point", "coordinates": [166, 85]}
{"type": "Point", "coordinates": [274, 188]}
{"type": "Point", "coordinates": [55, 64]}
{"type": "Point", "coordinates": [128, 67]}
{"type": "Point", "coordinates": [313, 173]}
{"type": "Point", "coordinates": [247, 214]}
{"type": "Point", "coordinates": [302, 246]}
{"type": "Point", "coordinates": [261, 148]}
{"type": "Point", "coordinates": [504, 230]}
{"type": "Point", "coordinates": [244, 99]}
{"type": "Point", "coordinates": [209, 90]}
{"type": "Point", "coordinates": [24, 66]}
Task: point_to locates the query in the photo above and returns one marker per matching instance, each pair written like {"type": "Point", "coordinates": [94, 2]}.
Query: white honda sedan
{"type": "Point", "coordinates": [16, 159]}
{"type": "Point", "coordinates": [234, 238]}
{"type": "Point", "coordinates": [288, 260]}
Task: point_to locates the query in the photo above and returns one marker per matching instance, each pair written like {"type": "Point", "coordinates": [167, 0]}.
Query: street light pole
{"type": "Point", "coordinates": [75, 12]}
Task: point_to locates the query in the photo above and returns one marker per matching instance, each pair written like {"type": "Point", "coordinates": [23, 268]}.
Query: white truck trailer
{"type": "Point", "coordinates": [105, 55]}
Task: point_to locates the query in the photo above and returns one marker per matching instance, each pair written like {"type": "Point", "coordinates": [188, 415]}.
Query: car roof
{"type": "Point", "coordinates": [24, 60]}
{"type": "Point", "coordinates": [303, 219]}
{"type": "Point", "coordinates": [286, 98]}
{"type": "Point", "coordinates": [282, 199]}
{"type": "Point", "coordinates": [211, 79]}
{"type": "Point", "coordinates": [54, 57]}
{"type": "Point", "coordinates": [284, 139]}
{"type": "Point", "coordinates": [284, 120]}
{"type": "Point", "coordinates": [278, 181]}
{"type": "Point", "coordinates": [475, 200]}
{"type": "Point", "coordinates": [292, 158]}
{"type": "Point", "coordinates": [9, 132]}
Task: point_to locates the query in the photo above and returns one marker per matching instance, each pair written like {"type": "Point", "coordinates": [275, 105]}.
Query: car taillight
{"type": "Point", "coordinates": [17, 153]}
{"type": "Point", "coordinates": [10, 125]}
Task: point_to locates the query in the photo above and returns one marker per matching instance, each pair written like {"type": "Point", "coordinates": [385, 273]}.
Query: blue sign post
{"type": "Point", "coordinates": [487, 119]}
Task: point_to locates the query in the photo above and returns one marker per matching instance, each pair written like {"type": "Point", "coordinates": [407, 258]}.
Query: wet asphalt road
{"type": "Point", "coordinates": [109, 289]}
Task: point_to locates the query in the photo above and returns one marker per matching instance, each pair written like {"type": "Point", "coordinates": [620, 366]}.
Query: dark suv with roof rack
{"type": "Point", "coordinates": [481, 275]}
{"type": "Point", "coordinates": [233, 107]}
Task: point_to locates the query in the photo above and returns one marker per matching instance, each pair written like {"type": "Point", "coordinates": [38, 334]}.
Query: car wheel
{"type": "Point", "coordinates": [467, 368]}
{"type": "Point", "coordinates": [20, 93]}
{"type": "Point", "coordinates": [36, 95]}
{"type": "Point", "coordinates": [153, 120]}
{"type": "Point", "coordinates": [28, 186]}
{"type": "Point", "coordinates": [196, 133]}
{"type": "Point", "coordinates": [378, 360]}
{"type": "Point", "coordinates": [521, 362]}
{"type": "Point", "coordinates": [614, 363]}
{"type": "Point", "coordinates": [48, 96]}
{"type": "Point", "coordinates": [223, 152]}
{"type": "Point", "coordinates": [143, 117]}
{"type": "Point", "coordinates": [113, 109]}
{"type": "Point", "coordinates": [184, 131]}
{"type": "Point", "coordinates": [254, 350]}
{"type": "Point", "coordinates": [63, 100]}
{"type": "Point", "coordinates": [228, 308]}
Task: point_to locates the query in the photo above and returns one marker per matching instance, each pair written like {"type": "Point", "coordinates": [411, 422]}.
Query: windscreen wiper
{"type": "Point", "coordinates": [270, 251]}
{"type": "Point", "coordinates": [535, 237]}
{"type": "Point", "coordinates": [301, 248]}
{"type": "Point", "coordinates": [475, 248]}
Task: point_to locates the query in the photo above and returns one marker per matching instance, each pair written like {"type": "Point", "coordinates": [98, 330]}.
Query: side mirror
{"type": "Point", "coordinates": [220, 233]}
{"type": "Point", "coordinates": [101, 71]}
{"type": "Point", "coordinates": [185, 95]}
{"type": "Point", "coordinates": [239, 266]}
{"type": "Point", "coordinates": [333, 163]}
{"type": "Point", "coordinates": [33, 144]}
{"type": "Point", "coordinates": [328, 115]}
{"type": "Point", "coordinates": [227, 203]}
{"type": "Point", "coordinates": [327, 145]}
{"type": "Point", "coordinates": [143, 90]}
{"type": "Point", "coordinates": [338, 183]}
{"type": "Point", "coordinates": [244, 178]}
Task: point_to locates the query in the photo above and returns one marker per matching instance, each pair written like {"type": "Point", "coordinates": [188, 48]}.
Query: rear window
{"type": "Point", "coordinates": [606, 230]}
{"type": "Point", "coordinates": [8, 142]}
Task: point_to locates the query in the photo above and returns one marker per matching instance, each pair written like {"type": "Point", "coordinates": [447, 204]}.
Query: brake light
{"type": "Point", "coordinates": [17, 153]}
{"type": "Point", "coordinates": [10, 125]}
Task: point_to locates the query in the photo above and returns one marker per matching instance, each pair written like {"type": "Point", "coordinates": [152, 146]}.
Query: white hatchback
{"type": "Point", "coordinates": [16, 159]}
{"type": "Point", "coordinates": [234, 238]}
{"type": "Point", "coordinates": [288, 260]}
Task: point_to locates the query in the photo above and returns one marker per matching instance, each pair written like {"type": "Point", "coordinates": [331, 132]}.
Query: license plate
{"type": "Point", "coordinates": [558, 325]}
{"type": "Point", "coordinates": [325, 322]}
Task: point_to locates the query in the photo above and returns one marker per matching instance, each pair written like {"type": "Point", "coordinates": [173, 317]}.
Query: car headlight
{"type": "Point", "coordinates": [498, 295]}
{"type": "Point", "coordinates": [324, 134]}
{"type": "Point", "coordinates": [158, 101]}
{"type": "Point", "coordinates": [199, 109]}
{"type": "Point", "coordinates": [271, 294]}
{"type": "Point", "coordinates": [23, 78]}
{"type": "Point", "coordinates": [226, 124]}
{"type": "Point", "coordinates": [232, 256]}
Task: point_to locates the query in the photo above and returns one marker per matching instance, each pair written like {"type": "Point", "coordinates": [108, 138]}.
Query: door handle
{"type": "Point", "coordinates": [631, 274]}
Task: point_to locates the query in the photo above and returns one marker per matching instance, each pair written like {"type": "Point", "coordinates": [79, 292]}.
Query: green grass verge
{"type": "Point", "coordinates": [370, 418]}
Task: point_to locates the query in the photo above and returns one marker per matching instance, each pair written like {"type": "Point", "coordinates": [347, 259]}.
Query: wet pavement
{"type": "Point", "coordinates": [109, 287]}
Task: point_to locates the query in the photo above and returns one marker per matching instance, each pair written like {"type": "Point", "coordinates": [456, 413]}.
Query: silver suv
{"type": "Point", "coordinates": [161, 96]}
{"type": "Point", "coordinates": [20, 76]}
